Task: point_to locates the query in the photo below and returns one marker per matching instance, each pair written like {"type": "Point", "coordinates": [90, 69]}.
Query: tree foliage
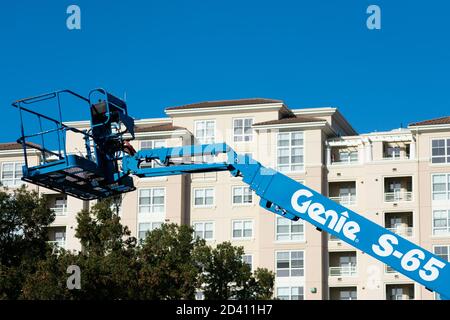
{"type": "Point", "coordinates": [168, 264]}
{"type": "Point", "coordinates": [226, 276]}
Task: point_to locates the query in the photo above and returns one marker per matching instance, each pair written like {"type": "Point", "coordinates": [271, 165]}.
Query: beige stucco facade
{"type": "Point", "coordinates": [385, 176]}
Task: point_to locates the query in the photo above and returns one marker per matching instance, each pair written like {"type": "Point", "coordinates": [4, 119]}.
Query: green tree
{"type": "Point", "coordinates": [226, 276]}
{"type": "Point", "coordinates": [108, 259]}
{"type": "Point", "coordinates": [168, 269]}
{"type": "Point", "coordinates": [259, 286]}
{"type": "Point", "coordinates": [24, 218]}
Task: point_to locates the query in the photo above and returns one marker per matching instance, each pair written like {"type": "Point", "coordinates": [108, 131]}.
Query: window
{"type": "Point", "coordinates": [60, 236]}
{"type": "Point", "coordinates": [347, 295]}
{"type": "Point", "coordinates": [347, 195]}
{"type": "Point", "coordinates": [242, 129]}
{"type": "Point", "coordinates": [242, 229]}
{"type": "Point", "coordinates": [290, 264]}
{"type": "Point", "coordinates": [11, 174]}
{"type": "Point", "coordinates": [60, 207]}
{"type": "Point", "coordinates": [441, 186]}
{"type": "Point", "coordinates": [242, 195]}
{"type": "Point", "coordinates": [290, 293]}
{"type": "Point", "coordinates": [152, 144]}
{"type": "Point", "coordinates": [442, 252]}
{"type": "Point", "coordinates": [440, 151]}
{"type": "Point", "coordinates": [146, 227]}
{"type": "Point", "coordinates": [203, 197]}
{"type": "Point", "coordinates": [290, 151]}
{"type": "Point", "coordinates": [152, 200]}
{"type": "Point", "coordinates": [396, 294]}
{"type": "Point", "coordinates": [441, 222]}
{"type": "Point", "coordinates": [205, 131]}
{"type": "Point", "coordinates": [347, 263]}
{"type": "Point", "coordinates": [204, 230]}
{"type": "Point", "coordinates": [348, 156]}
{"type": "Point", "coordinates": [248, 259]}
{"type": "Point", "coordinates": [393, 152]}
{"type": "Point", "coordinates": [288, 230]}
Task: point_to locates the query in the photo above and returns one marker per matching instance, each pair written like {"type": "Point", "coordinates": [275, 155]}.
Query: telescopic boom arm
{"type": "Point", "coordinates": [291, 199]}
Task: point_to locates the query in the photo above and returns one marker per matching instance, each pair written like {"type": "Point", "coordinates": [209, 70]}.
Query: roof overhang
{"type": "Point", "coordinates": [433, 127]}
{"type": "Point", "coordinates": [226, 109]}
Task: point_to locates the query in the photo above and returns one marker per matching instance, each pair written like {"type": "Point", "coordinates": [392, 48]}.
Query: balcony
{"type": "Point", "coordinates": [398, 196]}
{"type": "Point", "coordinates": [344, 156]}
{"type": "Point", "coordinates": [400, 292]}
{"type": "Point", "coordinates": [345, 200]}
{"type": "Point", "coordinates": [402, 231]}
{"type": "Point", "coordinates": [344, 271]}
{"type": "Point", "coordinates": [398, 189]}
{"type": "Point", "coordinates": [58, 203]}
{"type": "Point", "coordinates": [400, 223]}
{"type": "Point", "coordinates": [57, 236]}
{"type": "Point", "coordinates": [342, 264]}
{"type": "Point", "coordinates": [343, 193]}
{"type": "Point", "coordinates": [343, 293]}
{"type": "Point", "coordinates": [58, 243]}
{"type": "Point", "coordinates": [396, 151]}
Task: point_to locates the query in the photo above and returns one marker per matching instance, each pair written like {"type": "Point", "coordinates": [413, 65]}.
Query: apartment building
{"type": "Point", "coordinates": [400, 179]}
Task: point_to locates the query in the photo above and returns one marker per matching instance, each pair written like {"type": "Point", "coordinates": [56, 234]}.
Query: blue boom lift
{"type": "Point", "coordinates": [106, 168]}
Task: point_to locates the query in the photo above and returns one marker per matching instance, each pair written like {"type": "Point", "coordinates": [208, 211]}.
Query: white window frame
{"type": "Point", "coordinates": [350, 159]}
{"type": "Point", "coordinates": [152, 205]}
{"type": "Point", "coordinates": [203, 223]}
{"type": "Point", "coordinates": [446, 154]}
{"type": "Point", "coordinates": [152, 143]}
{"type": "Point", "coordinates": [16, 180]}
{"type": "Point", "coordinates": [244, 188]}
{"type": "Point", "coordinates": [442, 245]}
{"type": "Point", "coordinates": [205, 139]}
{"type": "Point", "coordinates": [290, 264]}
{"type": "Point", "coordinates": [243, 222]}
{"type": "Point", "coordinates": [445, 234]}
{"type": "Point", "coordinates": [243, 135]}
{"type": "Point", "coordinates": [290, 233]}
{"type": "Point", "coordinates": [290, 147]}
{"type": "Point", "coordinates": [447, 189]}
{"type": "Point", "coordinates": [289, 288]}
{"type": "Point", "coordinates": [203, 190]}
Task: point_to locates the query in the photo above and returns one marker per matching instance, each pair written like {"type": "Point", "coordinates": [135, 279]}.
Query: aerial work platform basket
{"type": "Point", "coordinates": [89, 174]}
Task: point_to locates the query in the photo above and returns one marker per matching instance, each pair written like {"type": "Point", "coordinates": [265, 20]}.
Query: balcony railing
{"type": "Point", "coordinates": [398, 196]}
{"type": "Point", "coordinates": [60, 211]}
{"type": "Point", "coordinates": [345, 200]}
{"type": "Point", "coordinates": [343, 162]}
{"type": "Point", "coordinates": [346, 271]}
{"type": "Point", "coordinates": [58, 244]}
{"type": "Point", "coordinates": [391, 158]}
{"type": "Point", "coordinates": [402, 231]}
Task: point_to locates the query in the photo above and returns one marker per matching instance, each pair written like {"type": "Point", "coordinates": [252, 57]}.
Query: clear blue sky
{"type": "Point", "coordinates": [170, 52]}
